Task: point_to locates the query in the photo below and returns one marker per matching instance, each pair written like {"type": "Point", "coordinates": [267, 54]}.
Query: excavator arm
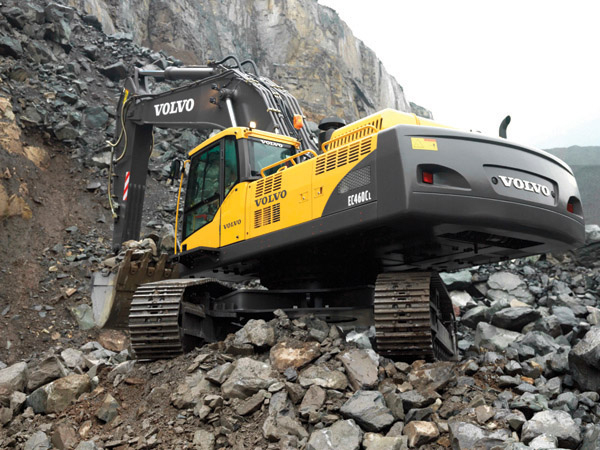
{"type": "Point", "coordinates": [217, 97]}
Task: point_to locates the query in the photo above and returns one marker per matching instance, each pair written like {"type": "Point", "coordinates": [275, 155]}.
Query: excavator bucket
{"type": "Point", "coordinates": [112, 293]}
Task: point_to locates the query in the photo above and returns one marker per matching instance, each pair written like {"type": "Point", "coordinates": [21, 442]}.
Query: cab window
{"type": "Point", "coordinates": [264, 153]}
{"type": "Point", "coordinates": [202, 198]}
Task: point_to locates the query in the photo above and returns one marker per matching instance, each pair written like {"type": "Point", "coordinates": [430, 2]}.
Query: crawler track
{"type": "Point", "coordinates": [413, 317]}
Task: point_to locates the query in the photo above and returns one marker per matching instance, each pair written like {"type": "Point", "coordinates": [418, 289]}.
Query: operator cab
{"type": "Point", "coordinates": [218, 164]}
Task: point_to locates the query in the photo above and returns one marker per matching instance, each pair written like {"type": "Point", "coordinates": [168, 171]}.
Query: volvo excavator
{"type": "Point", "coordinates": [352, 226]}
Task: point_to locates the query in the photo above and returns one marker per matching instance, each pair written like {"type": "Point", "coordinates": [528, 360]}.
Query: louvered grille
{"type": "Point", "coordinates": [269, 184]}
{"type": "Point", "coordinates": [343, 155]}
{"type": "Point", "coordinates": [267, 216]}
{"type": "Point", "coordinates": [355, 179]}
{"type": "Point", "coordinates": [364, 129]}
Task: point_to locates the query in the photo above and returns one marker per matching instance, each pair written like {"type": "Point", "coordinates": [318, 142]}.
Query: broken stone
{"type": "Point", "coordinates": [361, 368]}
{"type": "Point", "coordinates": [312, 401]}
{"type": "Point", "coordinates": [557, 423]}
{"type": "Point", "coordinates": [219, 374]}
{"type": "Point", "coordinates": [342, 435]}
{"type": "Point", "coordinates": [248, 377]}
{"type": "Point", "coordinates": [368, 409]}
{"type": "Point", "coordinates": [109, 409]}
{"type": "Point", "coordinates": [113, 340]}
{"type": "Point", "coordinates": [251, 404]}
{"type": "Point", "coordinates": [64, 437]}
{"type": "Point", "coordinates": [64, 391]}
{"type": "Point", "coordinates": [14, 378]}
{"type": "Point", "coordinates": [420, 433]}
{"type": "Point", "coordinates": [257, 333]}
{"type": "Point", "coordinates": [293, 354]}
{"type": "Point", "coordinates": [494, 338]}
{"type": "Point", "coordinates": [324, 377]}
{"type": "Point", "coordinates": [38, 441]}
{"type": "Point", "coordinates": [48, 370]}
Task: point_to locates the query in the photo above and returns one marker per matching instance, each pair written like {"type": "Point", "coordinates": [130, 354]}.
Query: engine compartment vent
{"type": "Point", "coordinates": [267, 216]}
{"type": "Point", "coordinates": [269, 184]}
{"type": "Point", "coordinates": [348, 154]}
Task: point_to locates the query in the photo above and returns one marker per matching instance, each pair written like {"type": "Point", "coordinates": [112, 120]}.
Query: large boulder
{"type": "Point", "coordinates": [584, 361]}
{"type": "Point", "coordinates": [14, 378]}
{"type": "Point", "coordinates": [555, 423]}
{"type": "Point", "coordinates": [294, 354]}
{"type": "Point", "coordinates": [247, 378]}
{"type": "Point", "coordinates": [342, 435]}
{"type": "Point", "coordinates": [467, 436]}
{"type": "Point", "coordinates": [361, 368]}
{"type": "Point", "coordinates": [515, 319]}
{"type": "Point", "coordinates": [494, 338]}
{"type": "Point", "coordinates": [64, 391]}
{"type": "Point", "coordinates": [48, 370]}
{"type": "Point", "coordinates": [368, 409]}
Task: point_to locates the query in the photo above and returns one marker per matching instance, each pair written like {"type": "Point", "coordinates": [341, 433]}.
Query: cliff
{"type": "Point", "coordinates": [300, 44]}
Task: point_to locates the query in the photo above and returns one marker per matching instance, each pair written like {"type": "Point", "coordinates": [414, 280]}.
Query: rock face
{"type": "Point", "coordinates": [286, 39]}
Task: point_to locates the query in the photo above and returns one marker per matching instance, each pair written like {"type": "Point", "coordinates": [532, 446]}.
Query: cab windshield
{"type": "Point", "coordinates": [262, 153]}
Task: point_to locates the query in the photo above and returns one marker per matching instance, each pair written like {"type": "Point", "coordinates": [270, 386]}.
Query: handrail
{"type": "Point", "coordinates": [289, 158]}
{"type": "Point", "coordinates": [328, 143]}
{"type": "Point", "coordinates": [187, 161]}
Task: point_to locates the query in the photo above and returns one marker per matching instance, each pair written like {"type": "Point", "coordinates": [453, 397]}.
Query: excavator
{"type": "Point", "coordinates": [352, 225]}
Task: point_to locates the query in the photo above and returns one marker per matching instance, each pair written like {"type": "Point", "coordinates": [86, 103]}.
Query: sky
{"type": "Point", "coordinates": [472, 62]}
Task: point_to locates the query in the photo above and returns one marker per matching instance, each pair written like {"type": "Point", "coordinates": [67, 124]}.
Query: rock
{"type": "Point", "coordinates": [420, 433]}
{"type": "Point", "coordinates": [10, 47]}
{"type": "Point", "coordinates": [324, 377]}
{"type": "Point", "coordinates": [84, 315]}
{"type": "Point", "coordinates": [48, 370]}
{"type": "Point", "coordinates": [64, 437]}
{"type": "Point", "coordinates": [257, 333]}
{"type": "Point", "coordinates": [375, 441]}
{"type": "Point", "coordinates": [113, 340]}
{"type": "Point", "coordinates": [556, 423]}
{"type": "Point", "coordinates": [484, 413]}
{"type": "Point", "coordinates": [108, 410]}
{"type": "Point", "coordinates": [312, 401]}
{"type": "Point", "coordinates": [475, 315]}
{"type": "Point", "coordinates": [64, 131]}
{"type": "Point", "coordinates": [219, 374]}
{"type": "Point", "coordinates": [204, 440]}
{"type": "Point", "coordinates": [17, 401]}
{"type": "Point", "coordinates": [543, 441]}
{"type": "Point", "coordinates": [456, 280]}
{"type": "Point", "coordinates": [64, 391]}
{"type": "Point", "coordinates": [248, 377]}
{"type": "Point", "coordinates": [504, 281]}
{"type": "Point", "coordinates": [515, 319]}
{"type": "Point", "coordinates": [567, 399]}
{"type": "Point", "coordinates": [189, 393]}
{"type": "Point", "coordinates": [566, 318]}
{"type": "Point", "coordinates": [462, 299]}
{"type": "Point", "coordinates": [38, 441]}
{"type": "Point", "coordinates": [368, 409]}
{"type": "Point", "coordinates": [293, 354]}
{"type": "Point", "coordinates": [361, 368]}
{"type": "Point", "coordinates": [494, 338]}
{"type": "Point", "coordinates": [95, 117]}
{"type": "Point", "coordinates": [87, 445]}
{"type": "Point", "coordinates": [414, 399]}
{"type": "Point", "coordinates": [394, 403]}
{"type": "Point", "coordinates": [251, 404]}
{"type": "Point", "coordinates": [342, 435]}
{"type": "Point", "coordinates": [14, 378]}
{"type": "Point", "coordinates": [396, 430]}
{"type": "Point", "coordinates": [465, 435]}
{"type": "Point", "coordinates": [115, 72]}
{"type": "Point", "coordinates": [541, 342]}
{"type": "Point", "coordinates": [584, 361]}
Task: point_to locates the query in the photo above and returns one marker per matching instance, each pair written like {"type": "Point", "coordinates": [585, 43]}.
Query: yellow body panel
{"type": "Point", "coordinates": [233, 219]}
{"type": "Point", "coordinates": [298, 193]}
{"type": "Point", "coordinates": [207, 236]}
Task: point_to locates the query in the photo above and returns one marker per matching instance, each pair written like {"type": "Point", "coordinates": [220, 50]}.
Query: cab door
{"type": "Point", "coordinates": [203, 198]}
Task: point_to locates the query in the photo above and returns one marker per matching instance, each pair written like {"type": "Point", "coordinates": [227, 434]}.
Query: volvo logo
{"type": "Point", "coordinates": [524, 185]}
{"type": "Point", "coordinates": [273, 144]}
{"type": "Point", "coordinates": [175, 107]}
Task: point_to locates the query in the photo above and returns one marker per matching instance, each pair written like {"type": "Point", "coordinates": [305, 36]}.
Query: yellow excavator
{"type": "Point", "coordinates": [351, 225]}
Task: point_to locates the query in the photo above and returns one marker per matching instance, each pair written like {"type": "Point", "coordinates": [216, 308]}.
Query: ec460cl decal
{"type": "Point", "coordinates": [361, 197]}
